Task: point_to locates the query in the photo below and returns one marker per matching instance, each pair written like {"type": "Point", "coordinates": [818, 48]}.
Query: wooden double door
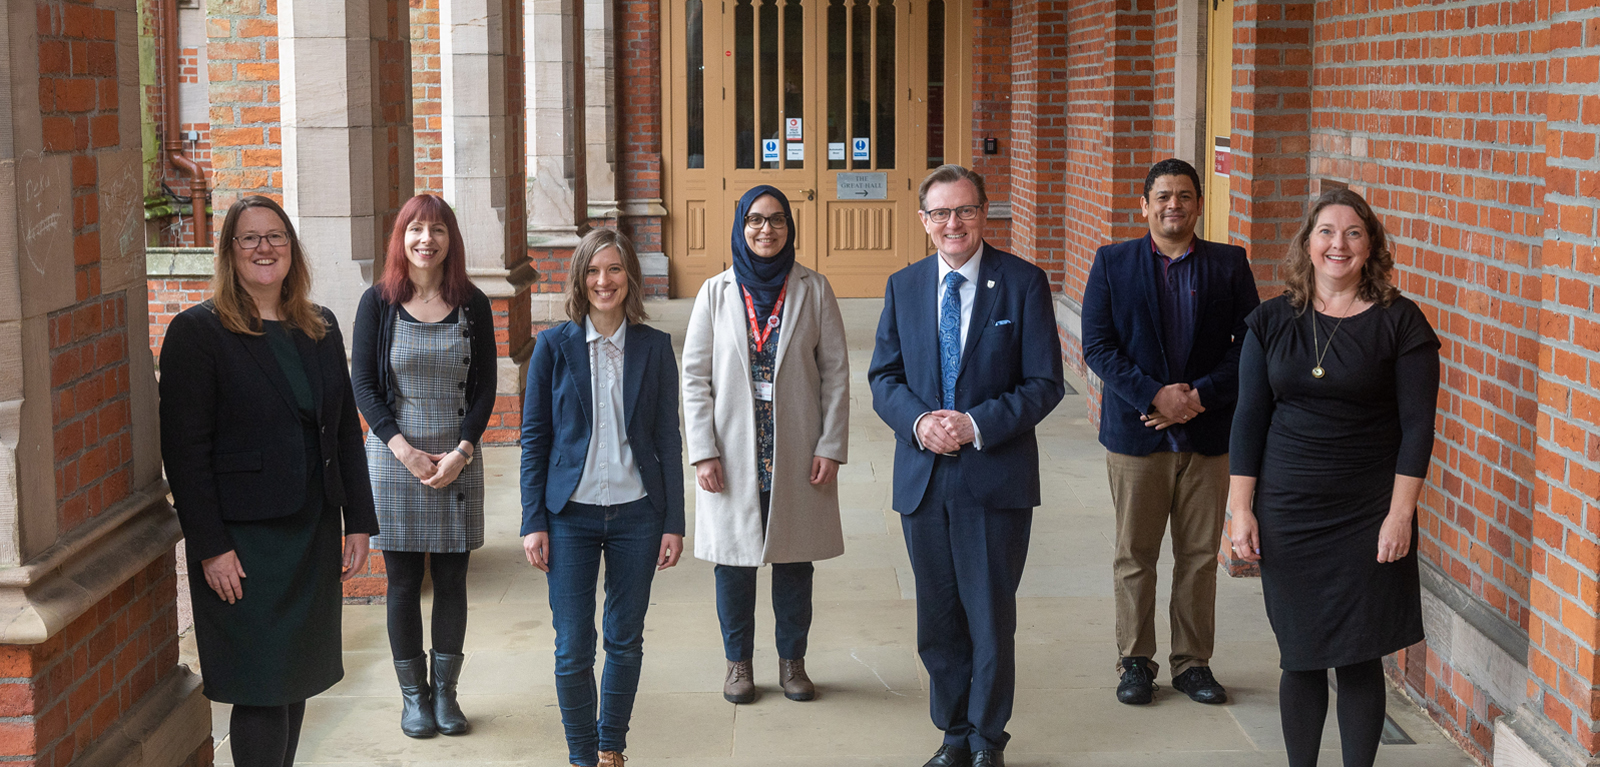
{"type": "Point", "coordinates": [844, 105]}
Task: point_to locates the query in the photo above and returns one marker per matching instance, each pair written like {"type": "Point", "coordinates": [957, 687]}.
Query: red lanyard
{"type": "Point", "coordinates": [756, 331]}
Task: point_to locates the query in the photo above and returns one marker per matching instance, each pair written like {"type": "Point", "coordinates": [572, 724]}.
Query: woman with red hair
{"type": "Point", "coordinates": [423, 368]}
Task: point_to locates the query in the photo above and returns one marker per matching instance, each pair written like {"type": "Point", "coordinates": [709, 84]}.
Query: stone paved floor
{"type": "Point", "coordinates": [872, 706]}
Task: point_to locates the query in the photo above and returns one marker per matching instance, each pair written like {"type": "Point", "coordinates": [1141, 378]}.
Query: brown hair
{"type": "Point", "coordinates": [577, 291]}
{"type": "Point", "coordinates": [1300, 276]}
{"type": "Point", "coordinates": [395, 285]}
{"type": "Point", "coordinates": [949, 174]}
{"type": "Point", "coordinates": [233, 303]}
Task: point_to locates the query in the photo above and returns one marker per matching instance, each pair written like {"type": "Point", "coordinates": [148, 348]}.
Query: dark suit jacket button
{"type": "Point", "coordinates": [461, 411]}
{"type": "Point", "coordinates": [466, 334]}
{"type": "Point", "coordinates": [461, 497]}
{"type": "Point", "coordinates": [466, 360]}
{"type": "Point", "coordinates": [461, 385]}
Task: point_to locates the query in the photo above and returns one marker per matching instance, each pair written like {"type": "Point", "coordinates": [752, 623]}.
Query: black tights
{"type": "Point", "coordinates": [406, 569]}
{"type": "Point", "coordinates": [1303, 704]}
{"type": "Point", "coordinates": [265, 736]}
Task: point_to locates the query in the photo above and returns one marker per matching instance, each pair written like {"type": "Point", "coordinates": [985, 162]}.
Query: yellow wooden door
{"type": "Point", "coordinates": [1219, 120]}
{"type": "Point", "coordinates": [842, 104]}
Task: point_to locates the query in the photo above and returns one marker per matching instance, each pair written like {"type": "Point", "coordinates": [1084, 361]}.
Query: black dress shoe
{"type": "Point", "coordinates": [950, 756]}
{"type": "Point", "coordinates": [990, 757]}
{"type": "Point", "coordinates": [1138, 685]}
{"type": "Point", "coordinates": [1200, 686]}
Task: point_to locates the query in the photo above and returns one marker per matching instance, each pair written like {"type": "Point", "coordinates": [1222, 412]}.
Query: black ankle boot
{"type": "Point", "coordinates": [416, 698]}
{"type": "Point", "coordinates": [446, 712]}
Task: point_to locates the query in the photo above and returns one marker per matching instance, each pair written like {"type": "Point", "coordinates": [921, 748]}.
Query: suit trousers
{"type": "Point", "coordinates": [1190, 490]}
{"type": "Point", "coordinates": [968, 561]}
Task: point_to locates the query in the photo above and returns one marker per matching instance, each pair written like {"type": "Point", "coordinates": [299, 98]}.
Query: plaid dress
{"type": "Point", "coordinates": [430, 361]}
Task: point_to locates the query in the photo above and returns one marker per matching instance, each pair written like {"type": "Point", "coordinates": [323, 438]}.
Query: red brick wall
{"type": "Point", "coordinates": [90, 408]}
{"type": "Point", "coordinates": [60, 696]}
{"type": "Point", "coordinates": [167, 299]}
{"type": "Point", "coordinates": [426, 88]}
{"type": "Point", "coordinates": [991, 106]}
{"type": "Point", "coordinates": [242, 64]}
{"type": "Point", "coordinates": [638, 40]}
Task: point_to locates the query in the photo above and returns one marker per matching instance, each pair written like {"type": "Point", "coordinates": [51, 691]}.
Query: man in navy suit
{"type": "Point", "coordinates": [967, 361]}
{"type": "Point", "coordinates": [1163, 321]}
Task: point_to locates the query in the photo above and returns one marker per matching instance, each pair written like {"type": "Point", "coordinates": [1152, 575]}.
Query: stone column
{"type": "Point", "coordinates": [600, 120]}
{"type": "Point", "coordinates": [88, 622]}
{"type": "Point", "coordinates": [478, 46]}
{"type": "Point", "coordinates": [640, 121]}
{"type": "Point", "coordinates": [556, 148]}
{"type": "Point", "coordinates": [345, 85]}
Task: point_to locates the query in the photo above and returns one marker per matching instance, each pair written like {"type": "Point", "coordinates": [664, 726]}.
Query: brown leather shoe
{"type": "Point", "coordinates": [612, 759]}
{"type": "Point", "coordinates": [792, 678]}
{"type": "Point", "coordinates": [740, 686]}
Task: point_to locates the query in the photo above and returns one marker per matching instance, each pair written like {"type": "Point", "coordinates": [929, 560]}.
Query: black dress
{"type": "Point", "coordinates": [279, 644]}
{"type": "Point", "coordinates": [1325, 452]}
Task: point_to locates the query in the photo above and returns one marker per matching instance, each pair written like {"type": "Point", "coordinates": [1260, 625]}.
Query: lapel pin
{"type": "Point", "coordinates": [991, 283]}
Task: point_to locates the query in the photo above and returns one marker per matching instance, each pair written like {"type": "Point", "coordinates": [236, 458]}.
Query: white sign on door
{"type": "Point", "coordinates": [859, 149]}
{"type": "Point", "coordinates": [791, 129]}
{"type": "Point", "coordinates": [836, 150]}
{"type": "Point", "coordinates": [769, 150]}
{"type": "Point", "coordinates": [797, 151]}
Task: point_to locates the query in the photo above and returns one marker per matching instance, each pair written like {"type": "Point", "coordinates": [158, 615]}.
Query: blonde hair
{"type": "Point", "coordinates": [1299, 276]}
{"type": "Point", "coordinates": [578, 292]}
{"type": "Point", "coordinates": [233, 303]}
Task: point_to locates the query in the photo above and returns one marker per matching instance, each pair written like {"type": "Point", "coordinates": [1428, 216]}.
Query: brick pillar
{"type": "Point", "coordinates": [1559, 725]}
{"type": "Point", "coordinates": [1039, 133]}
{"type": "Point", "coordinates": [242, 65]}
{"type": "Point", "coordinates": [992, 57]}
{"type": "Point", "coordinates": [639, 128]}
{"type": "Point", "coordinates": [425, 89]}
{"type": "Point", "coordinates": [479, 44]}
{"type": "Point", "coordinates": [88, 626]}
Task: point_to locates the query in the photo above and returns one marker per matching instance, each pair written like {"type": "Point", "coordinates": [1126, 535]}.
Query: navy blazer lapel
{"type": "Point", "coordinates": [256, 347]}
{"type": "Point", "coordinates": [576, 350]}
{"type": "Point", "coordinates": [633, 362]}
{"type": "Point", "coordinates": [924, 337]}
{"type": "Point", "coordinates": [982, 304]}
{"type": "Point", "coordinates": [1202, 288]}
{"type": "Point", "coordinates": [1144, 264]}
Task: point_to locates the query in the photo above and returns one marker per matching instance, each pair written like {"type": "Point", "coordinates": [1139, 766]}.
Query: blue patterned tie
{"type": "Point", "coordinates": [950, 336]}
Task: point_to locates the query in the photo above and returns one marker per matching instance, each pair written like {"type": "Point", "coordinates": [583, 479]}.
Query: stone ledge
{"type": "Point", "coordinates": [637, 208]}
{"type": "Point", "coordinates": [1525, 738]}
{"type": "Point", "coordinates": [1507, 635]}
{"type": "Point", "coordinates": [40, 598]}
{"type": "Point", "coordinates": [163, 729]}
{"type": "Point", "coordinates": [504, 283]}
{"type": "Point", "coordinates": [178, 262]}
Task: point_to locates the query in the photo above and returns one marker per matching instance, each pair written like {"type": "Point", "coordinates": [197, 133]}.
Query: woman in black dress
{"type": "Point", "coordinates": [263, 451]}
{"type": "Point", "coordinates": [424, 372]}
{"type": "Point", "coordinates": [1338, 385]}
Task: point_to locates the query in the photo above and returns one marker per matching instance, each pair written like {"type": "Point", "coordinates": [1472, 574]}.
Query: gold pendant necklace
{"type": "Point", "coordinates": [1318, 371]}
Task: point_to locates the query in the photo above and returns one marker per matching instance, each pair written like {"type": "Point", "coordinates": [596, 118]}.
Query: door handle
{"type": "Point", "coordinates": [811, 194]}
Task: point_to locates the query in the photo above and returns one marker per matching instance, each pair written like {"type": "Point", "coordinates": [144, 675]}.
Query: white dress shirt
{"type": "Point", "coordinates": [967, 294]}
{"type": "Point", "coordinates": [610, 475]}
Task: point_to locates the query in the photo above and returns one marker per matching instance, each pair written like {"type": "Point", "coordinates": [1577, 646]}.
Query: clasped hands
{"type": "Point", "coordinates": [1174, 404]}
{"type": "Point", "coordinates": [945, 431]}
{"type": "Point", "coordinates": [436, 470]}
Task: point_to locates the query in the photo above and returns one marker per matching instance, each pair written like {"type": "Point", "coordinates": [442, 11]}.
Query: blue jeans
{"type": "Point", "coordinates": [628, 537]}
{"type": "Point", "coordinates": [791, 605]}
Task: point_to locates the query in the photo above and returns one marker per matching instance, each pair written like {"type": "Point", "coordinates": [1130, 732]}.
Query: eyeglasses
{"type": "Point", "coordinates": [253, 241]}
{"type": "Point", "coordinates": [965, 213]}
{"type": "Point", "coordinates": [756, 221]}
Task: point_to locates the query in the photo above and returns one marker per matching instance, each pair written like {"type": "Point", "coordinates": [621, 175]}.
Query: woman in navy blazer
{"type": "Point", "coordinates": [602, 477]}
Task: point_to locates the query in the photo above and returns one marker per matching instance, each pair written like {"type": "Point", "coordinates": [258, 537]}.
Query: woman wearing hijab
{"type": "Point", "coordinates": [766, 392]}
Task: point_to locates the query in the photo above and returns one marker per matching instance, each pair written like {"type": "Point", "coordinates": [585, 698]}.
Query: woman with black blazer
{"type": "Point", "coordinates": [423, 368]}
{"type": "Point", "coordinates": [602, 478]}
{"type": "Point", "coordinates": [263, 451]}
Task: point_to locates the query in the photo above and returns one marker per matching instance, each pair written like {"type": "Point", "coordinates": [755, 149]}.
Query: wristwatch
{"type": "Point", "coordinates": [464, 454]}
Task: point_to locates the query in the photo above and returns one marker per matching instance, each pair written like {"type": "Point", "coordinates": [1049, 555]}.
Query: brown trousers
{"type": "Point", "coordinates": [1191, 490]}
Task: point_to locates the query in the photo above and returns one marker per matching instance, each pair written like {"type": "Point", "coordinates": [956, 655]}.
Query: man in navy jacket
{"type": "Point", "coordinates": [1163, 321]}
{"type": "Point", "coordinates": [966, 362]}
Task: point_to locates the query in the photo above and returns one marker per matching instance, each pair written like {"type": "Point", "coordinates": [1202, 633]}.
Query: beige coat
{"type": "Point", "coordinates": [811, 414]}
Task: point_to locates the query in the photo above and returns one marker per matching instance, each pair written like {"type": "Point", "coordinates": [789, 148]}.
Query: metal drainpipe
{"type": "Point", "coordinates": [198, 194]}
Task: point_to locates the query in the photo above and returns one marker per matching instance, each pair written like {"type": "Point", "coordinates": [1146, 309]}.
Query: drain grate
{"type": "Point", "coordinates": [1393, 735]}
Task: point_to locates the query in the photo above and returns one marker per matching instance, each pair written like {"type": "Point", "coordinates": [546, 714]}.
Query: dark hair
{"type": "Point", "coordinates": [233, 303]}
{"type": "Point", "coordinates": [948, 174]}
{"type": "Point", "coordinates": [577, 291]}
{"type": "Point", "coordinates": [1172, 166]}
{"type": "Point", "coordinates": [395, 284]}
{"type": "Point", "coordinates": [1300, 277]}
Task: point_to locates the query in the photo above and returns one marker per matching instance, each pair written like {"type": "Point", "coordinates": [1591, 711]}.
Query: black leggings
{"type": "Point", "coordinates": [265, 736]}
{"type": "Point", "coordinates": [1303, 704]}
{"type": "Point", "coordinates": [406, 569]}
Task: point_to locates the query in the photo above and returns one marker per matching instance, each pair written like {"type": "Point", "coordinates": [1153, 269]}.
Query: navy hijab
{"type": "Point", "coordinates": [763, 277]}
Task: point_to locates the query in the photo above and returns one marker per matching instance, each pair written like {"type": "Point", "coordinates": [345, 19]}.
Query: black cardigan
{"type": "Point", "coordinates": [231, 435]}
{"type": "Point", "coordinates": [374, 333]}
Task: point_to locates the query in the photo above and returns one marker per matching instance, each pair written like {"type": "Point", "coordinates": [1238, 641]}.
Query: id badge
{"type": "Point", "coordinates": [764, 391]}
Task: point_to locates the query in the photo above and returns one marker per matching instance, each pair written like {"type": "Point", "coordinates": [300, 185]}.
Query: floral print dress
{"type": "Point", "coordinates": [764, 367]}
